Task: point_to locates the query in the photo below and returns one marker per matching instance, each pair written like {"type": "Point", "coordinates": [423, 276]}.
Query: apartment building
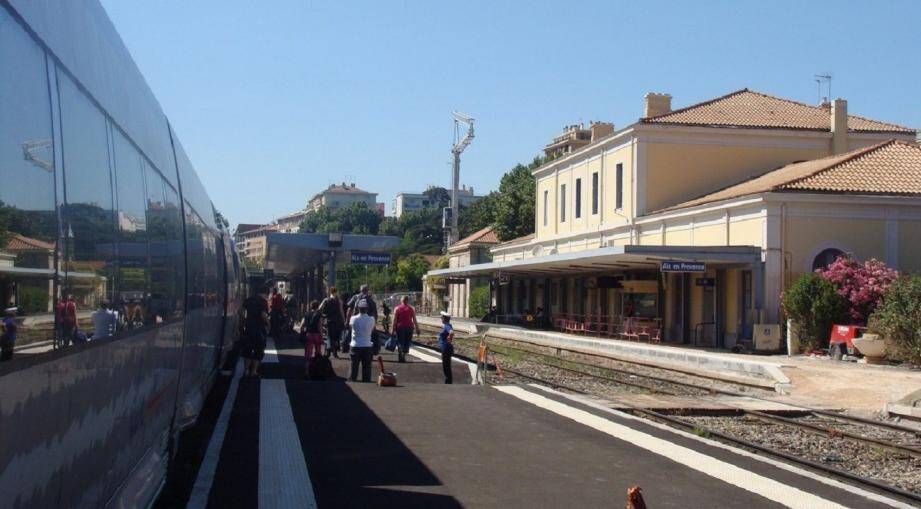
{"type": "Point", "coordinates": [405, 202]}
{"type": "Point", "coordinates": [342, 195]}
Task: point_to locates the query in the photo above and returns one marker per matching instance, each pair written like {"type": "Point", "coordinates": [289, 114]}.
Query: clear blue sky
{"type": "Point", "coordinates": [275, 100]}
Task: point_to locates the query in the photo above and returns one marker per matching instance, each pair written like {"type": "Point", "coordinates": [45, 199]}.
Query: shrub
{"type": "Point", "coordinates": [898, 318]}
{"type": "Point", "coordinates": [814, 305]}
{"type": "Point", "coordinates": [479, 301]}
{"type": "Point", "coordinates": [861, 284]}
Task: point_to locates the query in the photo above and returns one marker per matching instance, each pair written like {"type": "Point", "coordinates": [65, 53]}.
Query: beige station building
{"type": "Point", "coordinates": [696, 219]}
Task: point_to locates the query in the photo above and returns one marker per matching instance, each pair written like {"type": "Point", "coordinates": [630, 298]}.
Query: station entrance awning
{"type": "Point", "coordinates": [295, 253]}
{"type": "Point", "coordinates": [607, 259]}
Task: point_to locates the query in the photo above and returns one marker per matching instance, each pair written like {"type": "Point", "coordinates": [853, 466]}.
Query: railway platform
{"type": "Point", "coordinates": [282, 441]}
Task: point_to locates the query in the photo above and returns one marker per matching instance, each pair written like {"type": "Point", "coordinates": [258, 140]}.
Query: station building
{"type": "Point", "coordinates": [696, 219]}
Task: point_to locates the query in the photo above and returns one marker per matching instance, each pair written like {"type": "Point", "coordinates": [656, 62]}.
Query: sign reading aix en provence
{"type": "Point", "coordinates": [365, 258]}
{"type": "Point", "coordinates": [671, 266]}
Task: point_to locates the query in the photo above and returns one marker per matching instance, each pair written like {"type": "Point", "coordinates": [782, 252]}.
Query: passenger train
{"type": "Point", "coordinates": [114, 265]}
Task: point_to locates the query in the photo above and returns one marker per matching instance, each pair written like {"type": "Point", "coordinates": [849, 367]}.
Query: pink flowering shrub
{"type": "Point", "coordinates": [861, 284]}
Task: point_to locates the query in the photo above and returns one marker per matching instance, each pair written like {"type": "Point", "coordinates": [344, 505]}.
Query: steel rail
{"type": "Point", "coordinates": [895, 447]}
{"type": "Point", "coordinates": [847, 419]}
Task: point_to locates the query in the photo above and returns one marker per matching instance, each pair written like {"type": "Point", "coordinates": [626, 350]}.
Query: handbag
{"type": "Point", "coordinates": [391, 344]}
{"type": "Point", "coordinates": [385, 379]}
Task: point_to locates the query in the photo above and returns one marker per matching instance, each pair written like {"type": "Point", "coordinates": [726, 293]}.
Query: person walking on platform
{"type": "Point", "coordinates": [8, 338]}
{"type": "Point", "coordinates": [311, 329]}
{"type": "Point", "coordinates": [404, 322]}
{"type": "Point", "coordinates": [361, 347]}
{"type": "Point", "coordinates": [252, 343]}
{"type": "Point", "coordinates": [446, 343]}
{"type": "Point", "coordinates": [331, 309]}
{"type": "Point", "coordinates": [277, 314]}
{"type": "Point", "coordinates": [365, 295]}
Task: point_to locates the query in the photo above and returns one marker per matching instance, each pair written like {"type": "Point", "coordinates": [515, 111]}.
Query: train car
{"type": "Point", "coordinates": [115, 269]}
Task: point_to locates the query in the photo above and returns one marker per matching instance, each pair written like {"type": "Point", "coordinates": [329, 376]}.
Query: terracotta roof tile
{"type": "Point", "coordinates": [892, 167]}
{"type": "Point", "coordinates": [519, 240]}
{"type": "Point", "coordinates": [19, 242]}
{"type": "Point", "coordinates": [748, 109]}
{"type": "Point", "coordinates": [483, 236]}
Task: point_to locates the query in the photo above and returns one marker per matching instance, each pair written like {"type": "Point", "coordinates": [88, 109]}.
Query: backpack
{"type": "Point", "coordinates": [320, 368]}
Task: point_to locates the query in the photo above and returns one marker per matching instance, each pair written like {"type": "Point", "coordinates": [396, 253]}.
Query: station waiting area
{"type": "Point", "coordinates": [595, 325]}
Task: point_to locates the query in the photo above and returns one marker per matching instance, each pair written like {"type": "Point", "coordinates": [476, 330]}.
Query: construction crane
{"type": "Point", "coordinates": [460, 143]}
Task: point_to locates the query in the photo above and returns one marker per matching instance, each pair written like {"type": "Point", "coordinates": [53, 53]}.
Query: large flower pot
{"type": "Point", "coordinates": [872, 347]}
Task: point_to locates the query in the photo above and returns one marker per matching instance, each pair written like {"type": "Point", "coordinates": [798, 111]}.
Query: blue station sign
{"type": "Point", "coordinates": [673, 266]}
{"type": "Point", "coordinates": [366, 258]}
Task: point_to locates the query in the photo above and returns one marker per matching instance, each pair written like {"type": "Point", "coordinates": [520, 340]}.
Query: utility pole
{"type": "Point", "coordinates": [460, 143]}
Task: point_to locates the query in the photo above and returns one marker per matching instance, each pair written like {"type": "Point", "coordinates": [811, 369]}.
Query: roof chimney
{"type": "Point", "coordinates": [600, 130]}
{"type": "Point", "coordinates": [839, 126]}
{"type": "Point", "coordinates": [657, 104]}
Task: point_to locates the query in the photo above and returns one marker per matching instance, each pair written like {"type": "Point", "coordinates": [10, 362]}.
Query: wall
{"type": "Point", "coordinates": [678, 171]}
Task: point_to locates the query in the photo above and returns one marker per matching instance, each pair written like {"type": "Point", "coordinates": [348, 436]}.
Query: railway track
{"type": "Point", "coordinates": [881, 455]}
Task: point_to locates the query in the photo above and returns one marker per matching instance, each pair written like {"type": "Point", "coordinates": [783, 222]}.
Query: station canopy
{"type": "Point", "coordinates": [608, 259]}
{"type": "Point", "coordinates": [295, 253]}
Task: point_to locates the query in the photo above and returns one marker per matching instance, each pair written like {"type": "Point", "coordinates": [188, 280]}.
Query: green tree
{"type": "Point", "coordinates": [479, 301]}
{"type": "Point", "coordinates": [478, 215]}
{"type": "Point", "coordinates": [898, 318]}
{"type": "Point", "coordinates": [356, 218]}
{"type": "Point", "coordinates": [515, 204]}
{"type": "Point", "coordinates": [814, 305]}
{"type": "Point", "coordinates": [438, 197]}
{"type": "Point", "coordinates": [410, 270]}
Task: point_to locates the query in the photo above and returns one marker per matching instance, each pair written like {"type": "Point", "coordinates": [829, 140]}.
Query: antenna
{"type": "Point", "coordinates": [823, 78]}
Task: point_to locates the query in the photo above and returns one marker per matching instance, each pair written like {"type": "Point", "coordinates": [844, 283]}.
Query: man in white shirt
{"type": "Point", "coordinates": [361, 346]}
{"type": "Point", "coordinates": [104, 321]}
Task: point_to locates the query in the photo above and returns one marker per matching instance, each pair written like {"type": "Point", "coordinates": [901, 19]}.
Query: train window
{"type": "Point", "coordinates": [89, 216]}
{"type": "Point", "coordinates": [133, 274]}
{"type": "Point", "coordinates": [27, 213]}
{"type": "Point", "coordinates": [176, 252]}
{"type": "Point", "coordinates": [162, 271]}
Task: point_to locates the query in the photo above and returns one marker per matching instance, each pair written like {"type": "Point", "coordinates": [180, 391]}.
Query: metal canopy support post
{"type": "Point", "coordinates": [758, 284]}
{"type": "Point", "coordinates": [331, 269]}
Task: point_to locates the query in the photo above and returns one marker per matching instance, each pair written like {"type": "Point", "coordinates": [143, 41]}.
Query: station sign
{"type": "Point", "coordinates": [366, 258]}
{"type": "Point", "coordinates": [705, 281]}
{"type": "Point", "coordinates": [504, 279]}
{"type": "Point", "coordinates": [674, 266]}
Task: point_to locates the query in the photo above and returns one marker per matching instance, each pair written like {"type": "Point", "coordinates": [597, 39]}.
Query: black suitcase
{"type": "Point", "coordinates": [320, 368]}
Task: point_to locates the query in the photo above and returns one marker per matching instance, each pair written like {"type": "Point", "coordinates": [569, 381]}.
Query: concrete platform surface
{"type": "Point", "coordinates": [289, 442]}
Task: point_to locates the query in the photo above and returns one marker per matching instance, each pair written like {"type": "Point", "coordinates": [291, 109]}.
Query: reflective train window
{"type": "Point", "coordinates": [27, 219]}
{"type": "Point", "coordinates": [132, 290]}
{"type": "Point", "coordinates": [89, 217]}
{"type": "Point", "coordinates": [176, 248]}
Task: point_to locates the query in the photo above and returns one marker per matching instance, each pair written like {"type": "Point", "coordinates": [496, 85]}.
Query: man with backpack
{"type": "Point", "coordinates": [331, 310]}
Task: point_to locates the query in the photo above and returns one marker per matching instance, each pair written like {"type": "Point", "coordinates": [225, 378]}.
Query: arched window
{"type": "Point", "coordinates": [826, 258]}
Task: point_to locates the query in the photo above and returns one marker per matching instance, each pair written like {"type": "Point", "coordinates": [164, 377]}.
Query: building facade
{"type": "Point", "coordinates": [697, 219]}
{"type": "Point", "coordinates": [471, 250]}
{"type": "Point", "coordinates": [341, 195]}
{"type": "Point", "coordinates": [405, 202]}
{"type": "Point", "coordinates": [251, 243]}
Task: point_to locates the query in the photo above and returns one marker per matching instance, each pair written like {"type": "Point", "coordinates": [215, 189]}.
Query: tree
{"type": "Point", "coordinates": [356, 218]}
{"type": "Point", "coordinates": [410, 270]}
{"type": "Point", "coordinates": [813, 304]}
{"type": "Point", "coordinates": [861, 285]}
{"type": "Point", "coordinates": [478, 215]}
{"type": "Point", "coordinates": [515, 203]}
{"type": "Point", "coordinates": [438, 197]}
{"type": "Point", "coordinates": [898, 318]}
